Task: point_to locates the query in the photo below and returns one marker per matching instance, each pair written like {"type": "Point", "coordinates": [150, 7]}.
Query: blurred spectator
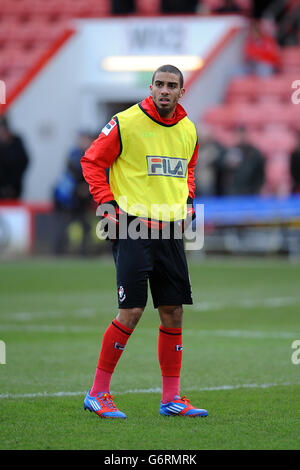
{"type": "Point", "coordinates": [289, 25]}
{"type": "Point", "coordinates": [244, 167]}
{"type": "Point", "coordinates": [123, 7]}
{"type": "Point", "coordinates": [229, 6]}
{"type": "Point", "coordinates": [179, 6]}
{"type": "Point", "coordinates": [261, 51]}
{"type": "Point", "coordinates": [72, 199]}
{"type": "Point", "coordinates": [295, 168]}
{"type": "Point", "coordinates": [286, 14]}
{"type": "Point", "coordinates": [208, 178]}
{"type": "Point", "coordinates": [259, 7]}
{"type": "Point", "coordinates": [13, 162]}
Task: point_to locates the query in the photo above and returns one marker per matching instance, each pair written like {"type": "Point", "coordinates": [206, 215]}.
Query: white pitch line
{"type": "Point", "coordinates": [47, 328]}
{"type": "Point", "coordinates": [246, 334]}
{"type": "Point", "coordinates": [204, 305]}
{"type": "Point", "coordinates": [271, 302]}
{"type": "Point", "coordinates": [147, 390]}
{"type": "Point", "coordinates": [249, 334]}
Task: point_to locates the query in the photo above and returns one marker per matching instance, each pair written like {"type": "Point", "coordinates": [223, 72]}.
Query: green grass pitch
{"type": "Point", "coordinates": [237, 360]}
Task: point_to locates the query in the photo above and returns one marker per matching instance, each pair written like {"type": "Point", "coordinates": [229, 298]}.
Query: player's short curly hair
{"type": "Point", "coordinates": [171, 69]}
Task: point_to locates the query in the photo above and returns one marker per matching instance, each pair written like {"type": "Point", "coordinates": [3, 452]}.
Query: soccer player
{"type": "Point", "coordinates": [151, 150]}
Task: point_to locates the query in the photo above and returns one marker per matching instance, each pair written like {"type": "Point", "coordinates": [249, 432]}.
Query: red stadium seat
{"type": "Point", "coordinates": [212, 4]}
{"type": "Point", "coordinates": [224, 116]}
{"type": "Point", "coordinates": [253, 116]}
{"type": "Point", "coordinates": [150, 7]}
{"type": "Point", "coordinates": [272, 143]}
{"type": "Point", "coordinates": [19, 58]}
{"type": "Point", "coordinates": [255, 89]}
{"type": "Point", "coordinates": [241, 89]}
{"type": "Point", "coordinates": [8, 28]}
{"type": "Point", "coordinates": [260, 116]}
{"type": "Point", "coordinates": [245, 5]}
{"type": "Point", "coordinates": [55, 7]}
{"type": "Point", "coordinates": [16, 7]}
{"type": "Point", "coordinates": [29, 27]}
{"type": "Point", "coordinates": [290, 59]}
{"type": "Point", "coordinates": [222, 135]}
{"type": "Point", "coordinates": [21, 33]}
{"type": "Point", "coordinates": [291, 54]}
{"type": "Point", "coordinates": [277, 175]}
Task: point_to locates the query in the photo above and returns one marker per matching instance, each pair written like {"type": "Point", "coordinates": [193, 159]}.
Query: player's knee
{"type": "Point", "coordinates": [171, 316]}
{"type": "Point", "coordinates": [174, 310]}
{"type": "Point", "coordinates": [130, 316]}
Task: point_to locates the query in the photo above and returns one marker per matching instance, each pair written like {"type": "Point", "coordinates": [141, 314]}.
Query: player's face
{"type": "Point", "coordinates": [166, 92]}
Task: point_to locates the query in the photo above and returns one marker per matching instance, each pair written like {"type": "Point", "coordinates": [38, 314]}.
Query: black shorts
{"type": "Point", "coordinates": [162, 262]}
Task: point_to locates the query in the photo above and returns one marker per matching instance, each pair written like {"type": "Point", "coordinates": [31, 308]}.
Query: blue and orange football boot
{"type": "Point", "coordinates": [181, 406]}
{"type": "Point", "coordinates": [102, 404]}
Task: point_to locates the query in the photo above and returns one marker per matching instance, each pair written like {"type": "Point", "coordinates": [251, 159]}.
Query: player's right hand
{"type": "Point", "coordinates": [109, 219]}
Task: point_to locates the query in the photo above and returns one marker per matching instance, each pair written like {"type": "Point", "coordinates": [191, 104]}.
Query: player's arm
{"type": "Point", "coordinates": [191, 182]}
{"type": "Point", "coordinates": [97, 159]}
{"type": "Point", "coordinates": [191, 186]}
{"type": "Point", "coordinates": [191, 172]}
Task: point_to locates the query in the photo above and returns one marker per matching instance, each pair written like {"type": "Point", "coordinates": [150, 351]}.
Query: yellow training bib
{"type": "Point", "coordinates": [149, 178]}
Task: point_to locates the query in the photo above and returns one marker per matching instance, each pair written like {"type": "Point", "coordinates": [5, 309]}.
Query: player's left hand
{"type": "Point", "coordinates": [181, 225]}
{"type": "Point", "coordinates": [191, 214]}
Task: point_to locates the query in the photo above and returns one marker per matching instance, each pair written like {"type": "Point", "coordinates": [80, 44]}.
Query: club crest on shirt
{"type": "Point", "coordinates": [166, 166]}
{"type": "Point", "coordinates": [109, 127]}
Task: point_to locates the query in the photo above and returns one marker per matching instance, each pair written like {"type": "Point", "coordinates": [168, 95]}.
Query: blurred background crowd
{"type": "Point", "coordinates": [242, 152]}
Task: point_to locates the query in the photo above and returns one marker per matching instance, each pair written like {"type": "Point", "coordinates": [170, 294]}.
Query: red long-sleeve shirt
{"type": "Point", "coordinates": [262, 49]}
{"type": "Point", "coordinates": [107, 147]}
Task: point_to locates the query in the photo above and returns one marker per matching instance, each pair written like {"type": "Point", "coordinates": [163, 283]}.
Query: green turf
{"type": "Point", "coordinates": [236, 362]}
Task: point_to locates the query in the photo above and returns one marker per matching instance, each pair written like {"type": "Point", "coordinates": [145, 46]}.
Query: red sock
{"type": "Point", "coordinates": [170, 388]}
{"type": "Point", "coordinates": [113, 344]}
{"type": "Point", "coordinates": [101, 382]}
{"type": "Point", "coordinates": [170, 358]}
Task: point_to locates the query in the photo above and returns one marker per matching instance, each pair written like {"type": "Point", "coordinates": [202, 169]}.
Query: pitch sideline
{"type": "Point", "coordinates": [148, 390]}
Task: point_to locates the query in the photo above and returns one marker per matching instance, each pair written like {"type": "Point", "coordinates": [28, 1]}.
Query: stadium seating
{"type": "Point", "coordinates": [253, 89]}
{"type": "Point", "coordinates": [290, 59]}
{"type": "Point", "coordinates": [270, 142]}
{"type": "Point", "coordinates": [252, 116]}
{"type": "Point", "coordinates": [212, 5]}
{"type": "Point", "coordinates": [29, 27]}
{"type": "Point", "coordinates": [264, 107]}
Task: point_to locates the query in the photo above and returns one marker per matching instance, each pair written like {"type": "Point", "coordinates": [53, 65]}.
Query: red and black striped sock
{"type": "Point", "coordinates": [113, 344]}
{"type": "Point", "coordinates": [170, 358]}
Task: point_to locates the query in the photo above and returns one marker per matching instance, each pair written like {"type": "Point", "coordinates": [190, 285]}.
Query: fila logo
{"type": "Point", "coordinates": [109, 127]}
{"type": "Point", "coordinates": [179, 347]}
{"type": "Point", "coordinates": [166, 166]}
{"type": "Point", "coordinates": [119, 346]}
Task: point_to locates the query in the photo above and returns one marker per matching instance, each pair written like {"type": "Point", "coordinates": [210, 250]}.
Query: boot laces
{"type": "Point", "coordinates": [185, 399]}
{"type": "Point", "coordinates": [107, 400]}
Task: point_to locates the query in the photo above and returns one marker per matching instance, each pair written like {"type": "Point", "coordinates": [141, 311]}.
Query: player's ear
{"type": "Point", "coordinates": [182, 92]}
{"type": "Point", "coordinates": [150, 88]}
